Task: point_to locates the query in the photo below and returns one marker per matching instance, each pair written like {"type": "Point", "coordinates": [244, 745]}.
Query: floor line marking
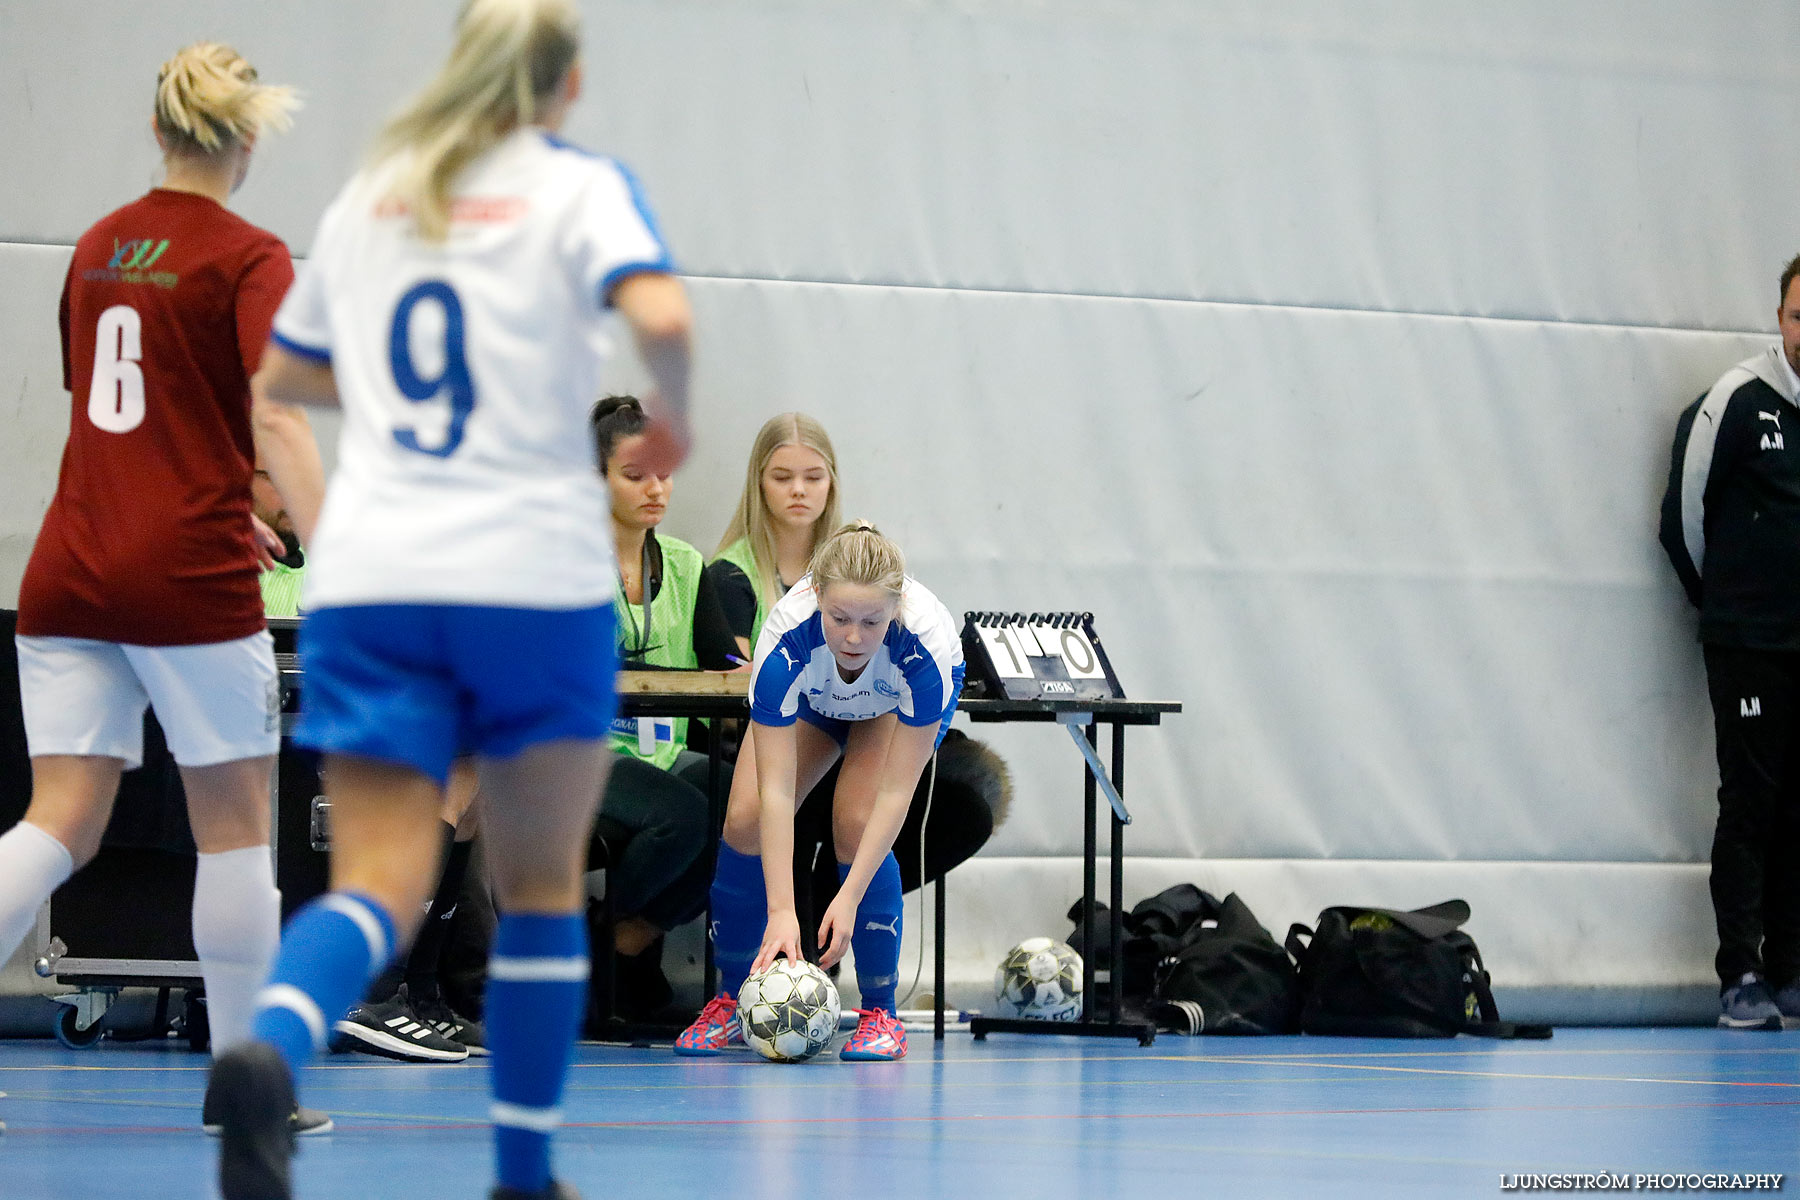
{"type": "Point", "coordinates": [1534, 1075]}
{"type": "Point", "coordinates": [438, 1122]}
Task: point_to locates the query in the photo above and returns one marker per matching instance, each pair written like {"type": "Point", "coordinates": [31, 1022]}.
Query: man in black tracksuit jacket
{"type": "Point", "coordinates": [1731, 525]}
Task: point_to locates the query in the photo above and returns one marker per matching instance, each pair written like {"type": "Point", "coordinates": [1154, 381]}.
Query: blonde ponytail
{"type": "Point", "coordinates": [509, 58]}
{"type": "Point", "coordinates": [857, 553]}
{"type": "Point", "coordinates": [208, 100]}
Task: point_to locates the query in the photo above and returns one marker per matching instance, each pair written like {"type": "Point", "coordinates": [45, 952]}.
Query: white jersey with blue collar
{"type": "Point", "coordinates": [466, 369]}
{"type": "Point", "coordinates": [910, 673]}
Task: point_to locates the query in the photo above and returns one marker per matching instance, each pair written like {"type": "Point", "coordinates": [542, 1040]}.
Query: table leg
{"type": "Point", "coordinates": [715, 815]}
{"type": "Point", "coordinates": [1090, 851]}
{"type": "Point", "coordinates": [1117, 925]}
{"type": "Point", "coordinates": [937, 933]}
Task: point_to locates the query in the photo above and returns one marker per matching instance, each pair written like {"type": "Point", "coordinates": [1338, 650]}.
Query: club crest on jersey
{"type": "Point", "coordinates": [1772, 441]}
{"type": "Point", "coordinates": [887, 689]}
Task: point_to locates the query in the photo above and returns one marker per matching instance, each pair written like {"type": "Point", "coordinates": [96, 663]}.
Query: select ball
{"type": "Point", "coordinates": [789, 1012]}
{"type": "Point", "coordinates": [1040, 978]}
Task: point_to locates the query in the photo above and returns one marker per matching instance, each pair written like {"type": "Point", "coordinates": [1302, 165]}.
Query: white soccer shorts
{"type": "Point", "coordinates": [217, 703]}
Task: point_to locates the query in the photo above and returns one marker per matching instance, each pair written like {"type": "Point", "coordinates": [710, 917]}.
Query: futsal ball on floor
{"type": "Point", "coordinates": [1040, 978]}
{"type": "Point", "coordinates": [789, 1012]}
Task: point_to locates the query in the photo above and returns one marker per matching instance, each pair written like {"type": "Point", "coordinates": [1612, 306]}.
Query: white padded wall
{"type": "Point", "coordinates": [1327, 351]}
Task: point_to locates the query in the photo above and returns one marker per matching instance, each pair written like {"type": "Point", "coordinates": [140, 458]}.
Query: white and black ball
{"type": "Point", "coordinates": [789, 1011]}
{"type": "Point", "coordinates": [1040, 978]}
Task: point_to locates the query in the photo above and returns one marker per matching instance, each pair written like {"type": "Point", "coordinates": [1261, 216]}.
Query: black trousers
{"type": "Point", "coordinates": [1756, 846]}
{"type": "Point", "coordinates": [665, 864]}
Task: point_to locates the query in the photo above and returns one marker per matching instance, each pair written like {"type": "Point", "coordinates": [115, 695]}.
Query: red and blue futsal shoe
{"type": "Point", "coordinates": [879, 1037]}
{"type": "Point", "coordinates": [714, 1029]}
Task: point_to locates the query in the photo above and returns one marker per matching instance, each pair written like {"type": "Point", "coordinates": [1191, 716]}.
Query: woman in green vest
{"type": "Point", "coordinates": [654, 804]}
{"type": "Point", "coordinates": [789, 505]}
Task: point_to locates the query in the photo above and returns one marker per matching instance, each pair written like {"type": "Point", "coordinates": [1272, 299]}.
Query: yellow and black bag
{"type": "Point", "coordinates": [1382, 972]}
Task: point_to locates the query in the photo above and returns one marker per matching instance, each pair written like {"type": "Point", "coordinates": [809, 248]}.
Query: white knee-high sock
{"type": "Point", "coordinates": [237, 927]}
{"type": "Point", "coordinates": [32, 865]}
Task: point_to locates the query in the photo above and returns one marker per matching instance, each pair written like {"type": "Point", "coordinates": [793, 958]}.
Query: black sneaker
{"type": "Point", "coordinates": [393, 1030]}
{"type": "Point", "coordinates": [1747, 1004]}
{"type": "Point", "coordinates": [436, 1012]}
{"type": "Point", "coordinates": [557, 1190]}
{"type": "Point", "coordinates": [253, 1095]}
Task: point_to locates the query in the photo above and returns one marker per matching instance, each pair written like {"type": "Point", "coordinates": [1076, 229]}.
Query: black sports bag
{"type": "Point", "coordinates": [1381, 972]}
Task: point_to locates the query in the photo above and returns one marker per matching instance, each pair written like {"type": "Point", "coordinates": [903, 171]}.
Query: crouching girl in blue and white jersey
{"type": "Point", "coordinates": [858, 660]}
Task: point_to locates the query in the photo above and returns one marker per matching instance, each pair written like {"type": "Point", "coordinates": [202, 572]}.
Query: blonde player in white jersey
{"type": "Point", "coordinates": [459, 590]}
{"type": "Point", "coordinates": [859, 660]}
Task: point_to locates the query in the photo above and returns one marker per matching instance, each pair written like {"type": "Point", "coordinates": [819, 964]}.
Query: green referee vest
{"type": "Point", "coordinates": [738, 555]}
{"type": "Point", "coordinates": [281, 590]}
{"type": "Point", "coordinates": [660, 740]}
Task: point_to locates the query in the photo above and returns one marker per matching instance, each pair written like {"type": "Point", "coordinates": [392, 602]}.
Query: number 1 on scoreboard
{"type": "Point", "coordinates": [1004, 651]}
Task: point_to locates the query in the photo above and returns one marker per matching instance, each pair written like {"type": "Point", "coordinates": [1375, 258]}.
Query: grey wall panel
{"type": "Point", "coordinates": [1598, 162]}
{"type": "Point", "coordinates": [1615, 161]}
{"type": "Point", "coordinates": [84, 77]}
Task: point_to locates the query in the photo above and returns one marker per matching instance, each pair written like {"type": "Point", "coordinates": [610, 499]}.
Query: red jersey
{"type": "Point", "coordinates": [165, 313]}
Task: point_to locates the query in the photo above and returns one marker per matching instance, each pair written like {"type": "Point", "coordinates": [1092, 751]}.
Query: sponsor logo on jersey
{"type": "Point", "coordinates": [138, 254]}
{"type": "Point", "coordinates": [1769, 416]}
{"type": "Point", "coordinates": [1750, 706]}
{"type": "Point", "coordinates": [1771, 441]}
{"type": "Point", "coordinates": [791, 661]}
{"type": "Point", "coordinates": [131, 262]}
{"type": "Point", "coordinates": [915, 656]}
{"type": "Point", "coordinates": [481, 210]}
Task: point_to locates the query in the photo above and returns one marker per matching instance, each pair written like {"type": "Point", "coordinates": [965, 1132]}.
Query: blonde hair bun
{"type": "Point", "coordinates": [858, 553]}
{"type": "Point", "coordinates": [208, 99]}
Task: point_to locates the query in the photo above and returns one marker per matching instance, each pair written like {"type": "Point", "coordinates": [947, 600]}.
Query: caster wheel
{"type": "Point", "coordinates": [74, 1038]}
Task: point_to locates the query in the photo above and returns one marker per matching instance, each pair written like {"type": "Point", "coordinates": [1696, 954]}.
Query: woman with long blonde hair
{"type": "Point", "coordinates": [142, 585]}
{"type": "Point", "coordinates": [459, 589]}
{"type": "Point", "coordinates": [788, 507]}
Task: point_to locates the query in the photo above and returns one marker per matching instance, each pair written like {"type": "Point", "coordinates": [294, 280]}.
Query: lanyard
{"type": "Point", "coordinates": [643, 641]}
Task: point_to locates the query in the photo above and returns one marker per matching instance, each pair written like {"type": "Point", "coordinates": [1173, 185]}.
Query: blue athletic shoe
{"type": "Point", "coordinates": [1747, 1004]}
{"type": "Point", "coordinates": [1788, 1001]}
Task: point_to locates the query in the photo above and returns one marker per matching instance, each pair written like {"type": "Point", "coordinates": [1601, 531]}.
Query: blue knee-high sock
{"type": "Point", "coordinates": [330, 951]}
{"type": "Point", "coordinates": [740, 912]}
{"type": "Point", "coordinates": [537, 987]}
{"type": "Point", "coordinates": [876, 939]}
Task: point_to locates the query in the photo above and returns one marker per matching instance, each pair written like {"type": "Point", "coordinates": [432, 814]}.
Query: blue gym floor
{"type": "Point", "coordinates": [1010, 1117]}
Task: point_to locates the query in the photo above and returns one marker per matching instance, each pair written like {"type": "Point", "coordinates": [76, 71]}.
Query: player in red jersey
{"type": "Point", "coordinates": [142, 586]}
